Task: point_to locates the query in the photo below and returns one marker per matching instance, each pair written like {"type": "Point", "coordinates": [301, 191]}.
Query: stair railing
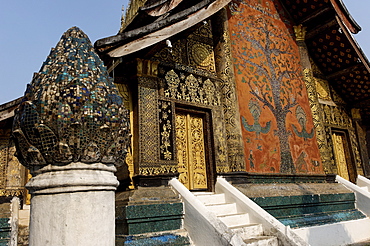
{"type": "Point", "coordinates": [203, 226]}
{"type": "Point", "coordinates": [362, 196]}
{"type": "Point", "coordinates": [363, 182]}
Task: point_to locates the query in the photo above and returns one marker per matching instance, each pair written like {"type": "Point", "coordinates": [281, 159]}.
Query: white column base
{"type": "Point", "coordinates": [73, 205]}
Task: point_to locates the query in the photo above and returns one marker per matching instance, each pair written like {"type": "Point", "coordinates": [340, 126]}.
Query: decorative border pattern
{"type": "Point", "coordinates": [166, 131]}
{"type": "Point", "coordinates": [190, 88]}
{"type": "Point", "coordinates": [317, 116]}
{"type": "Point", "coordinates": [148, 124]}
{"type": "Point", "coordinates": [337, 117]}
{"type": "Point", "coordinates": [225, 71]}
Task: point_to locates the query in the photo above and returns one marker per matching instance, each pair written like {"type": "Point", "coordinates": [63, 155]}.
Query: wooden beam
{"type": "Point", "coordinates": [321, 29]}
{"type": "Point", "coordinates": [11, 104]}
{"type": "Point", "coordinates": [169, 31]}
{"type": "Point", "coordinates": [361, 103]}
{"type": "Point", "coordinates": [344, 71]}
{"type": "Point", "coordinates": [114, 65]}
{"type": "Point", "coordinates": [314, 15]}
{"type": "Point", "coordinates": [7, 114]}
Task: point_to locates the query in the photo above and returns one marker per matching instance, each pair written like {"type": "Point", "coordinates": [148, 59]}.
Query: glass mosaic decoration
{"type": "Point", "coordinates": [71, 111]}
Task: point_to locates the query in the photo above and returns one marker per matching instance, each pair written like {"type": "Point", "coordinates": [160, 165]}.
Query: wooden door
{"type": "Point", "coordinates": [190, 142]}
{"type": "Point", "coordinates": [343, 156]}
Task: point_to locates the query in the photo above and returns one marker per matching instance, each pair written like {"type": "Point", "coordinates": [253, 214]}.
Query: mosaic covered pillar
{"type": "Point", "coordinates": [300, 33]}
{"type": "Point", "coordinates": [224, 67]}
{"type": "Point", "coordinates": [361, 139]}
{"type": "Point", "coordinates": [71, 130]}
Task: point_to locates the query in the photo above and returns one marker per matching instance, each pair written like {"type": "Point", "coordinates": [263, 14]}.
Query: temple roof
{"type": "Point", "coordinates": [147, 28]}
{"type": "Point", "coordinates": [7, 112]}
{"type": "Point", "coordinates": [329, 38]}
{"type": "Point", "coordinates": [333, 48]}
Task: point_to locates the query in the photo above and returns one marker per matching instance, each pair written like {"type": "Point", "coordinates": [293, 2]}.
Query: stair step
{"type": "Point", "coordinates": [223, 209]}
{"type": "Point", "coordinates": [238, 223]}
{"type": "Point", "coordinates": [314, 219]}
{"type": "Point", "coordinates": [248, 231]}
{"type": "Point", "coordinates": [202, 193]}
{"type": "Point", "coordinates": [262, 241]}
{"type": "Point", "coordinates": [235, 219]}
{"type": "Point", "coordinates": [212, 199]}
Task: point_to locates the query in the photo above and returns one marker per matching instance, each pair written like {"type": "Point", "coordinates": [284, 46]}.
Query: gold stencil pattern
{"type": "Point", "coordinates": [12, 173]}
{"type": "Point", "coordinates": [191, 153]}
{"type": "Point", "coordinates": [323, 90]}
{"type": "Point", "coordinates": [182, 149]}
{"type": "Point", "coordinates": [191, 88]}
{"type": "Point", "coordinates": [165, 125]}
{"type": "Point", "coordinates": [194, 49]}
{"type": "Point", "coordinates": [148, 125]}
{"type": "Point", "coordinates": [127, 102]}
{"type": "Point", "coordinates": [157, 170]}
{"type": "Point", "coordinates": [318, 120]}
{"type": "Point", "coordinates": [156, 153]}
{"type": "Point", "coordinates": [3, 162]}
{"type": "Point", "coordinates": [336, 116]}
{"type": "Point", "coordinates": [201, 55]}
{"type": "Point", "coordinates": [339, 153]}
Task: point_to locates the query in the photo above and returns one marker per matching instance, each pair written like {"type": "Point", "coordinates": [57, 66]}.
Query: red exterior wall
{"type": "Point", "coordinates": [277, 126]}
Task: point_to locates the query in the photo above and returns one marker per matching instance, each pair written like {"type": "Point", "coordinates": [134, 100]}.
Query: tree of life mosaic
{"type": "Point", "coordinates": [275, 114]}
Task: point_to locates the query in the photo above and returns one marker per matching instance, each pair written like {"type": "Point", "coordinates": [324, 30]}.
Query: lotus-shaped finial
{"type": "Point", "coordinates": [71, 111]}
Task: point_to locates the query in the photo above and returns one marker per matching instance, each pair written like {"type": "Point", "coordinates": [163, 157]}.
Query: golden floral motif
{"type": "Point", "coordinates": [157, 170]}
{"type": "Point", "coordinates": [173, 82]}
{"type": "Point", "coordinates": [191, 88]}
{"type": "Point", "coordinates": [191, 152]}
{"type": "Point", "coordinates": [322, 88]}
{"type": "Point", "coordinates": [166, 148]}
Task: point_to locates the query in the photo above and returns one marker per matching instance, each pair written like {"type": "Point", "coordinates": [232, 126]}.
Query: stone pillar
{"type": "Point", "coordinates": [73, 205]}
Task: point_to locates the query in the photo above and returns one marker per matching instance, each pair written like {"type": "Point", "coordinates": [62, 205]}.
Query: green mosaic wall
{"type": "Point", "coordinates": [137, 219]}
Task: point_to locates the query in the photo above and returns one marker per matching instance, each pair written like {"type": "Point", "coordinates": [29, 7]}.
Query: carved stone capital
{"type": "Point", "coordinates": [300, 32]}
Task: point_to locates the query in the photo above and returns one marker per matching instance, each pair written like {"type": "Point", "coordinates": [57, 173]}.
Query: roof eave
{"type": "Point", "coordinates": [345, 16]}
{"type": "Point", "coordinates": [131, 41]}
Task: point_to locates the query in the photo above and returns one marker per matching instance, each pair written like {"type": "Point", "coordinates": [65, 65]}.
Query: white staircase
{"type": "Point", "coordinates": [238, 222]}
{"type": "Point", "coordinates": [227, 217]}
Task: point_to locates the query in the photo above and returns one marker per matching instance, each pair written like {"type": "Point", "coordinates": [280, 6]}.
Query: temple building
{"type": "Point", "coordinates": [264, 102]}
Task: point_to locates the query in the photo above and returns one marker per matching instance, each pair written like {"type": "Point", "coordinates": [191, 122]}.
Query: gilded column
{"type": "Point", "coordinates": [225, 71]}
{"type": "Point", "coordinates": [300, 32]}
{"type": "Point", "coordinates": [361, 139]}
{"type": "Point", "coordinates": [71, 130]}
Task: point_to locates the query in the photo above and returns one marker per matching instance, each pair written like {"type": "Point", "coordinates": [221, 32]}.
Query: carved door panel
{"type": "Point", "coordinates": [342, 156]}
{"type": "Point", "coordinates": [191, 151]}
